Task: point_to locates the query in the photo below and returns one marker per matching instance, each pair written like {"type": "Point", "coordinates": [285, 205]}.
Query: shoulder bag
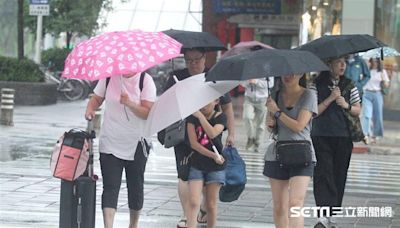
{"type": "Point", "coordinates": [384, 89]}
{"type": "Point", "coordinates": [175, 134]}
{"type": "Point", "coordinates": [353, 122]}
{"type": "Point", "coordinates": [292, 153]}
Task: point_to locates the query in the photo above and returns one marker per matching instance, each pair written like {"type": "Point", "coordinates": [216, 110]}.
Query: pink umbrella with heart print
{"type": "Point", "coordinates": [119, 53]}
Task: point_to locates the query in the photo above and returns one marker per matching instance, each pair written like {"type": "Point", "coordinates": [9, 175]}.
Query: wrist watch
{"type": "Point", "coordinates": [277, 114]}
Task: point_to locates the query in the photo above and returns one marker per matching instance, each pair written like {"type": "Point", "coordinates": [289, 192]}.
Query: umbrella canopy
{"type": "Point", "coordinates": [377, 52]}
{"type": "Point", "coordinates": [191, 40]}
{"type": "Point", "coordinates": [265, 63]}
{"type": "Point", "coordinates": [244, 47]}
{"type": "Point", "coordinates": [117, 53]}
{"type": "Point", "coordinates": [335, 46]}
{"type": "Point", "coordinates": [182, 99]}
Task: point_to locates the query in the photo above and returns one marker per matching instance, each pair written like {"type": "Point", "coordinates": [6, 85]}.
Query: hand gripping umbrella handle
{"type": "Point", "coordinates": [216, 151]}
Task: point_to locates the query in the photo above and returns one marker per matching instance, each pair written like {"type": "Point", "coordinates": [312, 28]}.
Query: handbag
{"type": "Point", "coordinates": [294, 153]}
{"type": "Point", "coordinates": [384, 89]}
{"type": "Point", "coordinates": [175, 134]}
{"type": "Point", "coordinates": [353, 122]}
{"type": "Point", "coordinates": [235, 179]}
{"type": "Point", "coordinates": [354, 126]}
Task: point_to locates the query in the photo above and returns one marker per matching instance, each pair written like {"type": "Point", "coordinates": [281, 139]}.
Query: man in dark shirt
{"type": "Point", "coordinates": [195, 62]}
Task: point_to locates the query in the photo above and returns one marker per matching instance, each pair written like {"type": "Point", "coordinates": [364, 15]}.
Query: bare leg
{"type": "Point", "coordinates": [183, 192]}
{"type": "Point", "coordinates": [280, 198]}
{"type": "Point", "coordinates": [108, 217]}
{"type": "Point", "coordinates": [195, 187]}
{"type": "Point", "coordinates": [212, 191]}
{"type": "Point", "coordinates": [297, 193]}
{"type": "Point", "coordinates": [134, 218]}
{"type": "Point", "coordinates": [202, 216]}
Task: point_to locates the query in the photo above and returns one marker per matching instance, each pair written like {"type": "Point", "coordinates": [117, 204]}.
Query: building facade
{"type": "Point", "coordinates": [289, 23]}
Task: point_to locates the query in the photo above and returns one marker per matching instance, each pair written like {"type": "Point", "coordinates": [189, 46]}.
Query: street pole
{"type": "Point", "coordinates": [39, 29]}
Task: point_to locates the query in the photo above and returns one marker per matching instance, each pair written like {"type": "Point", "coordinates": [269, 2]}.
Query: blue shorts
{"type": "Point", "coordinates": [274, 170]}
{"type": "Point", "coordinates": [207, 177]}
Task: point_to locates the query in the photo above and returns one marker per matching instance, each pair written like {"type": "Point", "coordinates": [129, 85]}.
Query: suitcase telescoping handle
{"type": "Point", "coordinates": [92, 135]}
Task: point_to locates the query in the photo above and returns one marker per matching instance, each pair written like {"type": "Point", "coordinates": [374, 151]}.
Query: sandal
{"type": "Point", "coordinates": [201, 217]}
{"type": "Point", "coordinates": [182, 223]}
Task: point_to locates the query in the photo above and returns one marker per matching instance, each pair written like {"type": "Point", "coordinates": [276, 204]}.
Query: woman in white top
{"type": "Point", "coordinates": [372, 102]}
{"type": "Point", "coordinates": [128, 102]}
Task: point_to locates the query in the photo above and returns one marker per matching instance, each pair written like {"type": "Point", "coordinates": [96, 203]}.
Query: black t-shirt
{"type": "Point", "coordinates": [198, 160]}
{"type": "Point", "coordinates": [183, 74]}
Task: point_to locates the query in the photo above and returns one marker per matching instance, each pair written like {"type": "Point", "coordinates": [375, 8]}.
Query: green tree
{"type": "Point", "coordinates": [78, 17]}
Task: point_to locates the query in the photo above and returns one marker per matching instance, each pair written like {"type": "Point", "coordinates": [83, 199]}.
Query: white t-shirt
{"type": "Point", "coordinates": [374, 83]}
{"type": "Point", "coordinates": [120, 134]}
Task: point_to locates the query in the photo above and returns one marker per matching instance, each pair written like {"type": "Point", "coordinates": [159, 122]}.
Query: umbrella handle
{"type": "Point", "coordinates": [175, 78]}
{"type": "Point", "coordinates": [216, 151]}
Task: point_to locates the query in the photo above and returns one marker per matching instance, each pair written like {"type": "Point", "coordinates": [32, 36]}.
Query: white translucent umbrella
{"type": "Point", "coordinates": [376, 53]}
{"type": "Point", "coordinates": [182, 99]}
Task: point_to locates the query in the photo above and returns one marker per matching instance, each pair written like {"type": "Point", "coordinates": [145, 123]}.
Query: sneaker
{"type": "Point", "coordinates": [323, 222]}
{"type": "Point", "coordinates": [366, 140]}
{"type": "Point", "coordinates": [249, 143]}
{"type": "Point", "coordinates": [256, 145]}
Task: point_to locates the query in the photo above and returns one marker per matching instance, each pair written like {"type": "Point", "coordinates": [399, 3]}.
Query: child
{"type": "Point", "coordinates": [207, 164]}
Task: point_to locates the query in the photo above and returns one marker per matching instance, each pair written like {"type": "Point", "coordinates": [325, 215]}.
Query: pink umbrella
{"type": "Point", "coordinates": [245, 46]}
{"type": "Point", "coordinates": [118, 53]}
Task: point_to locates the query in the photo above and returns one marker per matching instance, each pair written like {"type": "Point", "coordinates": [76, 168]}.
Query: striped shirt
{"type": "Point", "coordinates": [354, 96]}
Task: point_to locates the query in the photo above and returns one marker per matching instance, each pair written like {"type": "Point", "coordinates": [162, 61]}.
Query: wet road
{"type": "Point", "coordinates": [29, 195]}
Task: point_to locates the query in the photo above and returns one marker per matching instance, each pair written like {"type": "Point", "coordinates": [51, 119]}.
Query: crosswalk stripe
{"type": "Point", "coordinates": [364, 176]}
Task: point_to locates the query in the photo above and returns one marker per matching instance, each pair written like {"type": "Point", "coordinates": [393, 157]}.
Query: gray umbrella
{"type": "Point", "coordinates": [265, 63]}
{"type": "Point", "coordinates": [191, 40]}
{"type": "Point", "coordinates": [335, 46]}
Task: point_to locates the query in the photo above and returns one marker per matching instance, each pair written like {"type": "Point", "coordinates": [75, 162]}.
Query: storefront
{"type": "Point", "coordinates": [387, 29]}
{"type": "Point", "coordinates": [320, 17]}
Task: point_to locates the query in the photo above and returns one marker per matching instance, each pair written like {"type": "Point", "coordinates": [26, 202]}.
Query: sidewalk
{"type": "Point", "coordinates": [29, 195]}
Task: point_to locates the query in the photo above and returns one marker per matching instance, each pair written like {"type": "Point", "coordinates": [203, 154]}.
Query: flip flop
{"type": "Point", "coordinates": [201, 216]}
{"type": "Point", "coordinates": [182, 223]}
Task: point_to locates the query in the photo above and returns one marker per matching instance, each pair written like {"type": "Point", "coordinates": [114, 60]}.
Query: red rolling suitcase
{"type": "Point", "coordinates": [78, 197]}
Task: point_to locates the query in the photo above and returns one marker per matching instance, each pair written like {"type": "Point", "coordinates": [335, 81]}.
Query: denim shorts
{"type": "Point", "coordinates": [273, 169]}
{"type": "Point", "coordinates": [207, 177]}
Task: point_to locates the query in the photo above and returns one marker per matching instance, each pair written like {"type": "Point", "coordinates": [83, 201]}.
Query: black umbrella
{"type": "Point", "coordinates": [265, 63]}
{"type": "Point", "coordinates": [335, 46]}
{"type": "Point", "coordinates": [191, 40]}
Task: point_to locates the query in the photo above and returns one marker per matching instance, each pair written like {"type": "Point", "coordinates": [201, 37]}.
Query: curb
{"type": "Point", "coordinates": [361, 149]}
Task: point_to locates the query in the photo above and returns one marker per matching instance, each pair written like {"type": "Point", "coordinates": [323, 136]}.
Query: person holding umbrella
{"type": "Point", "coordinates": [207, 169]}
{"type": "Point", "coordinates": [290, 114]}
{"type": "Point", "coordinates": [195, 59]}
{"type": "Point", "coordinates": [121, 144]}
{"type": "Point", "coordinates": [331, 136]}
{"type": "Point", "coordinates": [117, 59]}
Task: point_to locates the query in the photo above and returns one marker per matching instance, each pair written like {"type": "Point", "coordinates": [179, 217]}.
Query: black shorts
{"type": "Point", "coordinates": [273, 169]}
{"type": "Point", "coordinates": [111, 171]}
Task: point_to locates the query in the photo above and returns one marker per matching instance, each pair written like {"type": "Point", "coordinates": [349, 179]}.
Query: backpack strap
{"type": "Point", "coordinates": [141, 80]}
{"type": "Point", "coordinates": [107, 82]}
